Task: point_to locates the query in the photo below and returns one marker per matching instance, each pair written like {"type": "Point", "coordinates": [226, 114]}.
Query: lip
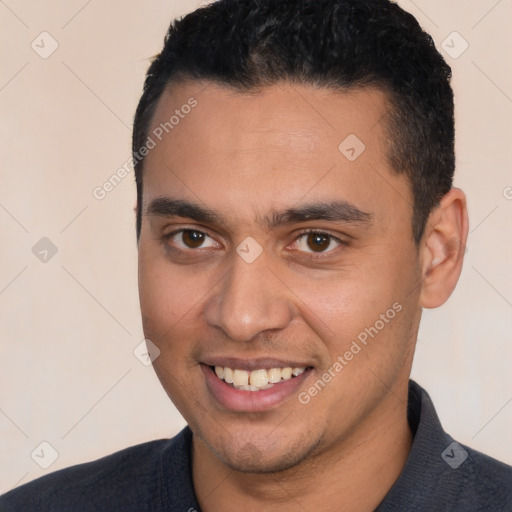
{"type": "Point", "coordinates": [253, 364]}
{"type": "Point", "coordinates": [251, 401]}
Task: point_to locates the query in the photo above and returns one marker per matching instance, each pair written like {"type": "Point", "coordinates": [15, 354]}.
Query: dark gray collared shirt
{"type": "Point", "coordinates": [439, 475]}
{"type": "Point", "coordinates": [443, 475]}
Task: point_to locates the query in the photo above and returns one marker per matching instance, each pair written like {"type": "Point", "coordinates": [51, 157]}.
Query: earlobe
{"type": "Point", "coordinates": [442, 249]}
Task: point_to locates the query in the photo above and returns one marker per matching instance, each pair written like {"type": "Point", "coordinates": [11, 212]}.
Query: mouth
{"type": "Point", "coordinates": [256, 387]}
{"type": "Point", "coordinates": [257, 380]}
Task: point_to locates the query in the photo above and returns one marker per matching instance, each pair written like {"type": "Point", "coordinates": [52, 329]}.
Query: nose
{"type": "Point", "coordinates": [249, 300]}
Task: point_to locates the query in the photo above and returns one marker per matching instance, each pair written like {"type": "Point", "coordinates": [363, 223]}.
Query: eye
{"type": "Point", "coordinates": [191, 239]}
{"type": "Point", "coordinates": [317, 242]}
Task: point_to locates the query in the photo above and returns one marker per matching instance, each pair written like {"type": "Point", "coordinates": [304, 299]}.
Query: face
{"type": "Point", "coordinates": [269, 244]}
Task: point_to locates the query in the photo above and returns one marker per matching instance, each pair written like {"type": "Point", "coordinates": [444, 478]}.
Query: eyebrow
{"type": "Point", "coordinates": [170, 207]}
{"type": "Point", "coordinates": [336, 211]}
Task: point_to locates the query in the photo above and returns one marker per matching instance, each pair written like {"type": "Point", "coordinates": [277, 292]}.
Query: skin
{"type": "Point", "coordinates": [244, 156]}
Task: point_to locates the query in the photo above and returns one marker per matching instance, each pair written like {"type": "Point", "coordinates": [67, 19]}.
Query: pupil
{"type": "Point", "coordinates": [193, 239]}
{"type": "Point", "coordinates": [318, 242]}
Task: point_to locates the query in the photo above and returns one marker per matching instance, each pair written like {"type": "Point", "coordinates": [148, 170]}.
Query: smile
{"type": "Point", "coordinates": [256, 380]}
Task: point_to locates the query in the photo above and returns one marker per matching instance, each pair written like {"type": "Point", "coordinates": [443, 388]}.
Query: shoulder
{"type": "Point", "coordinates": [121, 481]}
{"type": "Point", "coordinates": [480, 482]}
{"type": "Point", "coordinates": [441, 474]}
{"type": "Point", "coordinates": [461, 477]}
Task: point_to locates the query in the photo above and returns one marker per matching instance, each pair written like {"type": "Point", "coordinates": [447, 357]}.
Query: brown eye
{"type": "Point", "coordinates": [317, 242]}
{"type": "Point", "coordinates": [193, 239]}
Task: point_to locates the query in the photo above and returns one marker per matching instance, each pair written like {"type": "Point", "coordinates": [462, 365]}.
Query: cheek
{"type": "Point", "coordinates": [340, 303]}
{"type": "Point", "coordinates": [169, 307]}
{"type": "Point", "coordinates": [167, 297]}
{"type": "Point", "coordinates": [370, 301]}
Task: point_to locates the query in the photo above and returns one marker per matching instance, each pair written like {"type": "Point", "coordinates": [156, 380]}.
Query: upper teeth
{"type": "Point", "coordinates": [257, 379]}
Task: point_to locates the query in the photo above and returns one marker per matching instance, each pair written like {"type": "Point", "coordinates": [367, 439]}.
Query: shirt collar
{"type": "Point", "coordinates": [418, 484]}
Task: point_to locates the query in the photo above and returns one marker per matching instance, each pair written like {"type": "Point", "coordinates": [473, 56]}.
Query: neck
{"type": "Point", "coordinates": [353, 474]}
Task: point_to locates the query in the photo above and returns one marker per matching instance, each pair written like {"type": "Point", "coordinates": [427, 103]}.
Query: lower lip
{"type": "Point", "coordinates": [251, 401]}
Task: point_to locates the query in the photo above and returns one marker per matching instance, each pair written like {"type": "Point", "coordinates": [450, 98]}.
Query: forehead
{"type": "Point", "coordinates": [272, 148]}
{"type": "Point", "coordinates": [287, 113]}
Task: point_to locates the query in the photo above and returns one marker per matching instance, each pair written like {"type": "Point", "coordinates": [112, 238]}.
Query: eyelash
{"type": "Point", "coordinates": [310, 255]}
{"type": "Point", "coordinates": [318, 255]}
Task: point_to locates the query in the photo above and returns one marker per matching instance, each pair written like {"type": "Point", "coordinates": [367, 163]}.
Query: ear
{"type": "Point", "coordinates": [442, 249]}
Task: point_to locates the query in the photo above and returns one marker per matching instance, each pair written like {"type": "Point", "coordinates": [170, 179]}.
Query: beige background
{"type": "Point", "coordinates": [69, 326]}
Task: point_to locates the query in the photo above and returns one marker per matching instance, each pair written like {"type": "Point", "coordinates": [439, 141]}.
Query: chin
{"type": "Point", "coordinates": [248, 454]}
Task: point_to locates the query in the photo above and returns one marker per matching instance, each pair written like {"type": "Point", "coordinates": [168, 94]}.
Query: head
{"type": "Point", "coordinates": [298, 211]}
{"type": "Point", "coordinates": [339, 46]}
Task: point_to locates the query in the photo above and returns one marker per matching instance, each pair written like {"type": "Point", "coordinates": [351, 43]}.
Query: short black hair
{"type": "Point", "coordinates": [336, 44]}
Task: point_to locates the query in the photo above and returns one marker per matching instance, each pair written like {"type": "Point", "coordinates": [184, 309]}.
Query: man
{"type": "Point", "coordinates": [294, 165]}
